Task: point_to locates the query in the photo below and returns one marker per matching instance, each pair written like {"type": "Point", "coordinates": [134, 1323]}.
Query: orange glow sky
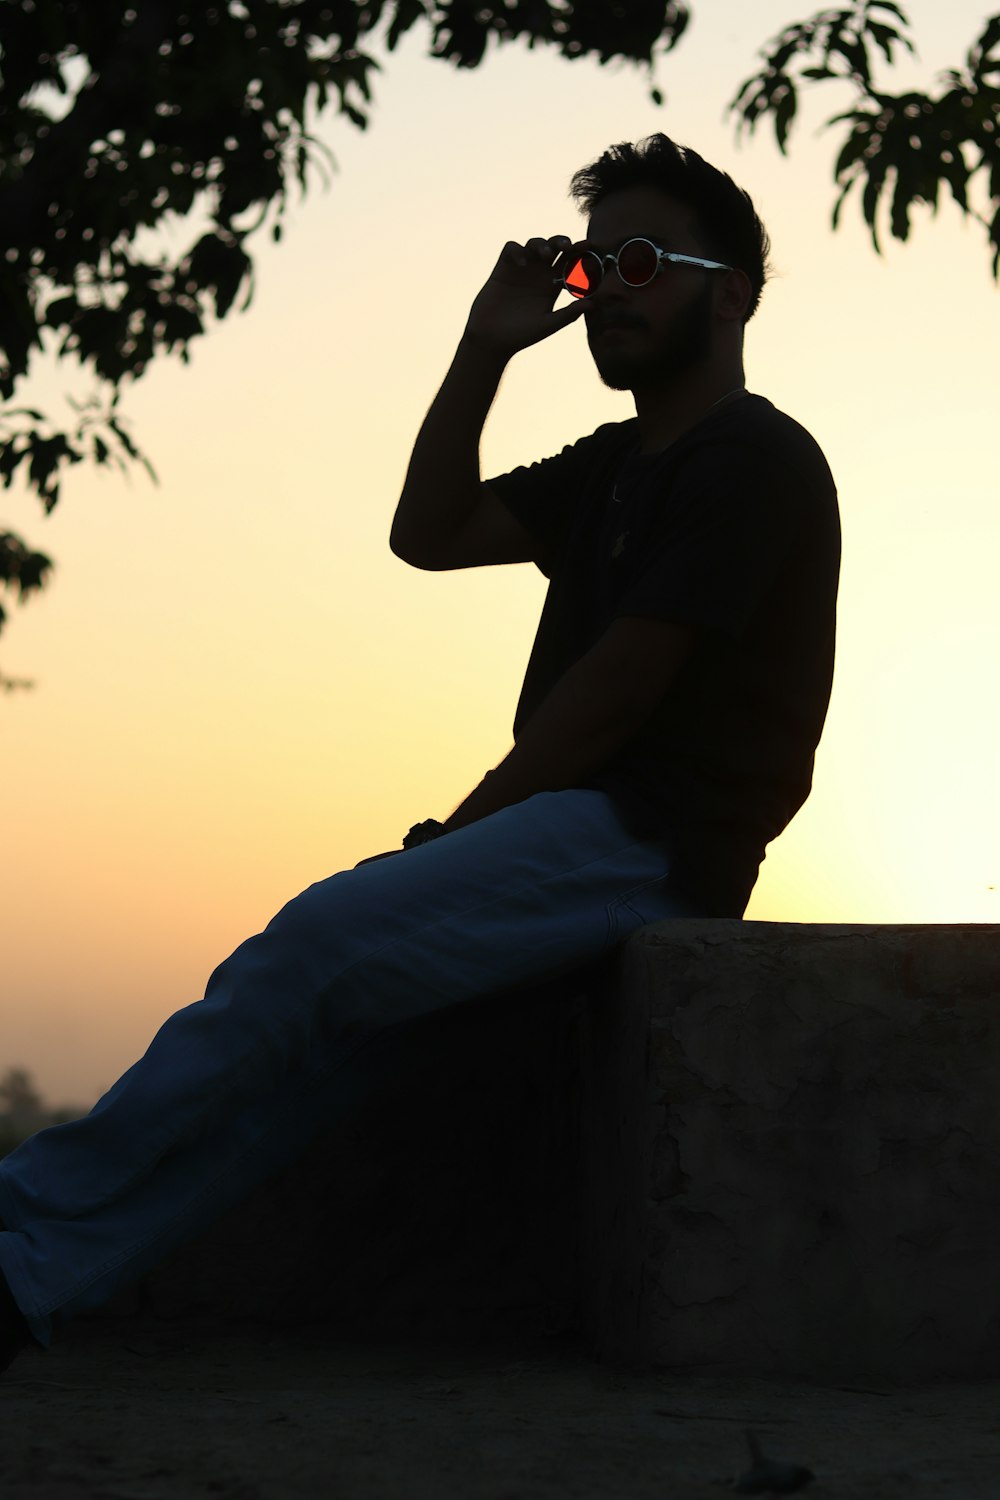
{"type": "Point", "coordinates": [241, 690]}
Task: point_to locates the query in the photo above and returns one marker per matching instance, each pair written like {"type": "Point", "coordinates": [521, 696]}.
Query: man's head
{"type": "Point", "coordinates": [686, 316]}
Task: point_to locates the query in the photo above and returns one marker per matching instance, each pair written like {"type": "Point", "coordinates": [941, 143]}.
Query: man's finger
{"type": "Point", "coordinates": [548, 249]}
{"type": "Point", "coordinates": [514, 253]}
{"type": "Point", "coordinates": [540, 249]}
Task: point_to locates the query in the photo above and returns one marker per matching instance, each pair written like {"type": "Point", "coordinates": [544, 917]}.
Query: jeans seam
{"type": "Point", "coordinates": [625, 900]}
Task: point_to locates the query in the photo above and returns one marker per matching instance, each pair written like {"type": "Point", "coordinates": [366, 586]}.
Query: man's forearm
{"type": "Point", "coordinates": [442, 484]}
{"type": "Point", "coordinates": [577, 729]}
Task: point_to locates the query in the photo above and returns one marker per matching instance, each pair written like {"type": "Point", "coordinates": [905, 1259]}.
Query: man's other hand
{"type": "Point", "coordinates": [516, 306]}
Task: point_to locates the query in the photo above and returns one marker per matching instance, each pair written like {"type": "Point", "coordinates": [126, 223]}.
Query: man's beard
{"type": "Point", "coordinates": [686, 343]}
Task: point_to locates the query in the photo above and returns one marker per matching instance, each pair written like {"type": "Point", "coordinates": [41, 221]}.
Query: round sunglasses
{"type": "Point", "coordinates": [637, 263]}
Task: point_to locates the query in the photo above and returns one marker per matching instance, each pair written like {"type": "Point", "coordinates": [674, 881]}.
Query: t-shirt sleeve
{"type": "Point", "coordinates": [545, 496]}
{"type": "Point", "coordinates": [731, 523]}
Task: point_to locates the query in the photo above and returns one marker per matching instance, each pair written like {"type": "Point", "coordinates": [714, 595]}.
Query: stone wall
{"type": "Point", "coordinates": [740, 1147]}
{"type": "Point", "coordinates": [794, 1148]}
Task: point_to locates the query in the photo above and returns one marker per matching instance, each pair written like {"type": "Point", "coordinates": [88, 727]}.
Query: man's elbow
{"type": "Point", "coordinates": [406, 553]}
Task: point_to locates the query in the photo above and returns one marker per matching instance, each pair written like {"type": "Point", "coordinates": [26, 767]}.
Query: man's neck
{"type": "Point", "coordinates": [666, 414]}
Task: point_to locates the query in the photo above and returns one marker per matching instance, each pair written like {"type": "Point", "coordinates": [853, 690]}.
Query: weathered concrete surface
{"type": "Point", "coordinates": [801, 1169]}
{"type": "Point", "coordinates": [738, 1148]}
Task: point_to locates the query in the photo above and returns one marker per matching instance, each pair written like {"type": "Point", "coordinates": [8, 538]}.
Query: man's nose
{"type": "Point", "coordinates": [610, 288]}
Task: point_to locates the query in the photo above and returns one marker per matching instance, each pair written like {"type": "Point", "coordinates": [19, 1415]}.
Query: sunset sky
{"type": "Point", "coordinates": [239, 688]}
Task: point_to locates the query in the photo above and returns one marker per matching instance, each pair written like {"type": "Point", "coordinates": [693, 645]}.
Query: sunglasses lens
{"type": "Point", "coordinates": [583, 274]}
{"type": "Point", "coordinates": [637, 262]}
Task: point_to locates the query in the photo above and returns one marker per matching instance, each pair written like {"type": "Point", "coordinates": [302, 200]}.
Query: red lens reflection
{"type": "Point", "coordinates": [583, 275]}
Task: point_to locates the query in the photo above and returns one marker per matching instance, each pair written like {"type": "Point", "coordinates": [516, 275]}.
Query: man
{"type": "Point", "coordinates": [665, 733]}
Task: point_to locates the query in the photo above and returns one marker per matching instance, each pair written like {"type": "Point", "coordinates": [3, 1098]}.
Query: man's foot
{"type": "Point", "coordinates": [15, 1334]}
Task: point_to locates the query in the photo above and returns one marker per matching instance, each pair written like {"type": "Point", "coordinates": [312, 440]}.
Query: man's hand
{"type": "Point", "coordinates": [373, 857]}
{"type": "Point", "coordinates": [420, 833]}
{"type": "Point", "coordinates": [515, 307]}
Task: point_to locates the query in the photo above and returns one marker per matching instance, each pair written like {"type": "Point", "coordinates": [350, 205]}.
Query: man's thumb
{"type": "Point", "coordinates": [561, 316]}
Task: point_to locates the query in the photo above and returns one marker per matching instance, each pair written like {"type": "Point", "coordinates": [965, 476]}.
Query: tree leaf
{"type": "Point", "coordinates": [10, 457]}
{"type": "Point", "coordinates": [61, 311]}
{"type": "Point", "coordinates": [869, 203]}
{"type": "Point", "coordinates": [407, 12]}
{"type": "Point", "coordinates": [901, 199]}
{"type": "Point", "coordinates": [980, 62]}
{"type": "Point", "coordinates": [784, 113]}
{"type": "Point", "coordinates": [857, 142]}
{"type": "Point", "coordinates": [24, 411]}
{"type": "Point", "coordinates": [884, 36]}
{"type": "Point", "coordinates": [854, 52]}
{"type": "Point", "coordinates": [840, 201]}
{"type": "Point", "coordinates": [888, 5]}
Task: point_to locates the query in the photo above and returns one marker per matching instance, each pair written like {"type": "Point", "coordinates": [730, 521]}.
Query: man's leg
{"type": "Point", "coordinates": [235, 1085]}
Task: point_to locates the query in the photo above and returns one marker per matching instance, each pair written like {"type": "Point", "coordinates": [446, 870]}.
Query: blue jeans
{"type": "Point", "coordinates": [235, 1086]}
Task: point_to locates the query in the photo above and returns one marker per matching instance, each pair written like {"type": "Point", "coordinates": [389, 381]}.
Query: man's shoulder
{"type": "Point", "coordinates": [755, 423]}
{"type": "Point", "coordinates": [763, 462]}
{"type": "Point", "coordinates": [576, 461]}
{"type": "Point", "coordinates": [609, 437]}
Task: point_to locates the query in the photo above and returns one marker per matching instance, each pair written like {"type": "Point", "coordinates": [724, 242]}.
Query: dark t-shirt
{"type": "Point", "coordinates": [733, 529]}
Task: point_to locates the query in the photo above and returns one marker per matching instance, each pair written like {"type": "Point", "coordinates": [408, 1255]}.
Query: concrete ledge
{"type": "Point", "coordinates": [738, 1147]}
{"type": "Point", "coordinates": [794, 1150]}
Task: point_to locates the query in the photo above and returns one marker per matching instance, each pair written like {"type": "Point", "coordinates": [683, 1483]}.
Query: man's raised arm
{"type": "Point", "coordinates": [446, 517]}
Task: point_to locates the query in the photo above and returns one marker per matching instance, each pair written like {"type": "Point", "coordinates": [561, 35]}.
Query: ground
{"type": "Point", "coordinates": [143, 1412]}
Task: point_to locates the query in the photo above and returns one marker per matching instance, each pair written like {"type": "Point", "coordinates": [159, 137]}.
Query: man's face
{"type": "Point", "coordinates": [646, 337]}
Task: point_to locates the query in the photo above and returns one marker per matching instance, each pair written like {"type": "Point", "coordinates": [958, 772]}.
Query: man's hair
{"type": "Point", "coordinates": [728, 221]}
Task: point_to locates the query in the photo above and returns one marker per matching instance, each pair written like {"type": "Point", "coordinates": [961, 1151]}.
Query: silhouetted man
{"type": "Point", "coordinates": [665, 732]}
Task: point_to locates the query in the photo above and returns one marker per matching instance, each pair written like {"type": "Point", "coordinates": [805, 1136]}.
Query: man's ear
{"type": "Point", "coordinates": [735, 296]}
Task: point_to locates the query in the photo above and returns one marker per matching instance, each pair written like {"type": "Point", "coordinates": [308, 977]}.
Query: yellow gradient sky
{"type": "Point", "coordinates": [241, 690]}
